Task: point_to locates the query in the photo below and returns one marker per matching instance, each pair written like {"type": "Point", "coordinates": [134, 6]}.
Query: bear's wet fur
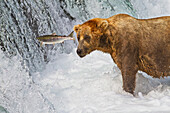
{"type": "Point", "coordinates": [134, 44]}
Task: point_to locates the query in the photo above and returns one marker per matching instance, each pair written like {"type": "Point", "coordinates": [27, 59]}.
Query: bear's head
{"type": "Point", "coordinates": [89, 35]}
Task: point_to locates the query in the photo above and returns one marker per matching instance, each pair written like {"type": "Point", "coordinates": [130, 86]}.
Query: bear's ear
{"type": "Point", "coordinates": [76, 27]}
{"type": "Point", "coordinates": [103, 25]}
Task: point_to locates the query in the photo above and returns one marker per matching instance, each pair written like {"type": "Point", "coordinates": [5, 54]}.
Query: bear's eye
{"type": "Point", "coordinates": [87, 38]}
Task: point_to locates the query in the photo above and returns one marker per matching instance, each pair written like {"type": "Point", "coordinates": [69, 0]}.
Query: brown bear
{"type": "Point", "coordinates": [134, 44]}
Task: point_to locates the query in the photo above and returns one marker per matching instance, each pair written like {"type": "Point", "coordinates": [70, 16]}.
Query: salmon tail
{"type": "Point", "coordinates": [71, 34]}
{"type": "Point", "coordinates": [74, 38]}
{"type": "Point", "coordinates": [41, 44]}
{"type": "Point", "coordinates": [53, 34]}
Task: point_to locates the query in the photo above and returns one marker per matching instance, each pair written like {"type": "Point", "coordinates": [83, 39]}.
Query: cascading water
{"type": "Point", "coordinates": [22, 85]}
{"type": "Point", "coordinates": [22, 21]}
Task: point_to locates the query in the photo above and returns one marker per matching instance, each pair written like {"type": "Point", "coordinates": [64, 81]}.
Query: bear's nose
{"type": "Point", "coordinates": [79, 51]}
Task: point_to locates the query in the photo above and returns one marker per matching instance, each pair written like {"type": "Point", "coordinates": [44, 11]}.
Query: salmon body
{"type": "Point", "coordinates": [53, 39]}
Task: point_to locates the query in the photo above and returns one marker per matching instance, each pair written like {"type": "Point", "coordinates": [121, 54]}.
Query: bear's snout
{"type": "Point", "coordinates": [79, 52]}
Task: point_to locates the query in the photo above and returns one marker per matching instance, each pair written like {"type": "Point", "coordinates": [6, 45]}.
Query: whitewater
{"type": "Point", "coordinates": [67, 83]}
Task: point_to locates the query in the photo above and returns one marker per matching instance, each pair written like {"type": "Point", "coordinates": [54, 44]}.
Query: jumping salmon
{"type": "Point", "coordinates": [53, 39]}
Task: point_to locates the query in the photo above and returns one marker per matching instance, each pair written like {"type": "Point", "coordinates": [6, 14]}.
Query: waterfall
{"type": "Point", "coordinates": [22, 57]}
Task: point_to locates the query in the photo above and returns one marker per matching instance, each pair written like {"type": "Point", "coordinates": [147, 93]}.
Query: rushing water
{"type": "Point", "coordinates": [28, 71]}
{"type": "Point", "coordinates": [22, 21]}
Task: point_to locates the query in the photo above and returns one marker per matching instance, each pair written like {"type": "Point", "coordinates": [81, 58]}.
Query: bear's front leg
{"type": "Point", "coordinates": [129, 69]}
{"type": "Point", "coordinates": [129, 79]}
{"type": "Point", "coordinates": [126, 57]}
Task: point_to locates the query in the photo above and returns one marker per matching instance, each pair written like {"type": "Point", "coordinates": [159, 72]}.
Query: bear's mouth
{"type": "Point", "coordinates": [81, 52]}
{"type": "Point", "coordinates": [81, 56]}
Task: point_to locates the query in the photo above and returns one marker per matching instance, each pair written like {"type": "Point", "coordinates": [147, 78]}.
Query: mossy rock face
{"type": "Point", "coordinates": [3, 110]}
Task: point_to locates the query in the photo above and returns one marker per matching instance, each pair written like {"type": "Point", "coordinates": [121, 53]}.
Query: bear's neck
{"type": "Point", "coordinates": [107, 44]}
